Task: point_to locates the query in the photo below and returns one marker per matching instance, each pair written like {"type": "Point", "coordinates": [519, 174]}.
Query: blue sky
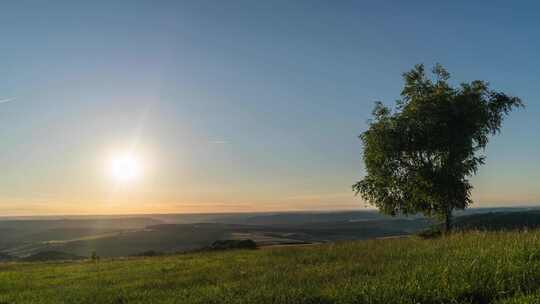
{"type": "Point", "coordinates": [240, 105]}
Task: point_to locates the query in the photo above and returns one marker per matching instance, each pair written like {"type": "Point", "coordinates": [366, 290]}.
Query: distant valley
{"type": "Point", "coordinates": [116, 236]}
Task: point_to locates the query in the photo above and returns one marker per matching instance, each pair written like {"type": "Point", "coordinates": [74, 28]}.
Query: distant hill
{"type": "Point", "coordinates": [126, 236]}
{"type": "Point", "coordinates": [302, 218]}
{"type": "Point", "coordinates": [499, 221]}
{"type": "Point", "coordinates": [51, 256]}
{"type": "Point", "coordinates": [109, 223]}
{"type": "Point", "coordinates": [29, 233]}
{"type": "Point", "coordinates": [170, 238]}
{"type": "Point", "coordinates": [5, 257]}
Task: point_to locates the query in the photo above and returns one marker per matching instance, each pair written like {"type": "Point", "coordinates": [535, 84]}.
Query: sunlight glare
{"type": "Point", "coordinates": [125, 168]}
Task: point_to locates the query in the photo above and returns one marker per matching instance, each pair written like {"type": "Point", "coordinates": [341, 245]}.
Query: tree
{"type": "Point", "coordinates": [419, 157]}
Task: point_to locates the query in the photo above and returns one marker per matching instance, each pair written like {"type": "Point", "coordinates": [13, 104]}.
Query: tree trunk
{"type": "Point", "coordinates": [448, 221]}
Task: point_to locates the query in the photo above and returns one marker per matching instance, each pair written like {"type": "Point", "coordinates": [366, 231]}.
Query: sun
{"type": "Point", "coordinates": [125, 167]}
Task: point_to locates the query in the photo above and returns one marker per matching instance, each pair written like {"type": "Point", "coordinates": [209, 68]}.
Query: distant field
{"type": "Point", "coordinates": [491, 267]}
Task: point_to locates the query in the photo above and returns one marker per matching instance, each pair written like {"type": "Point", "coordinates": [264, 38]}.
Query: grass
{"type": "Point", "coordinates": [478, 267]}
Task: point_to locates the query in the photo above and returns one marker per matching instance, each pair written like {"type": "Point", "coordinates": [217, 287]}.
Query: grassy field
{"type": "Point", "coordinates": [464, 268]}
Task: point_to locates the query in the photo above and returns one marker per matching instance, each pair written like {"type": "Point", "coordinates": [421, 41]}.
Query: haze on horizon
{"type": "Point", "coordinates": [211, 106]}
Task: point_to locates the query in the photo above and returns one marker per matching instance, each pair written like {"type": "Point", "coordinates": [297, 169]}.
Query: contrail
{"type": "Point", "coordinates": [6, 100]}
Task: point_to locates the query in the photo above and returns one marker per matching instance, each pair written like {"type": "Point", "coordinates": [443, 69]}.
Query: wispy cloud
{"type": "Point", "coordinates": [6, 100]}
{"type": "Point", "coordinates": [219, 142]}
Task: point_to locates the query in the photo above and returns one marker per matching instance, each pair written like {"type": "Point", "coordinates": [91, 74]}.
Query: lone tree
{"type": "Point", "coordinates": [419, 157]}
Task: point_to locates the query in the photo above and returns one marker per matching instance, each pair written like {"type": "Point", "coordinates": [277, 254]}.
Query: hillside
{"type": "Point", "coordinates": [515, 220]}
{"type": "Point", "coordinates": [493, 267]}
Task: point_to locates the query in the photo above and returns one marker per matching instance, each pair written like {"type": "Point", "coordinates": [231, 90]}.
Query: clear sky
{"type": "Point", "coordinates": [240, 105]}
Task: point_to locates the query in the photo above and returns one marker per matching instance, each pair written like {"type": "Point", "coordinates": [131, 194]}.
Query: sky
{"type": "Point", "coordinates": [240, 105]}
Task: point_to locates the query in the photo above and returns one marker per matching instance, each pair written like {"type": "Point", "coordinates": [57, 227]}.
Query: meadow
{"type": "Point", "coordinates": [474, 267]}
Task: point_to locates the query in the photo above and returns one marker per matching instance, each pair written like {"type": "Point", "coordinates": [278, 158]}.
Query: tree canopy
{"type": "Point", "coordinates": [419, 156]}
